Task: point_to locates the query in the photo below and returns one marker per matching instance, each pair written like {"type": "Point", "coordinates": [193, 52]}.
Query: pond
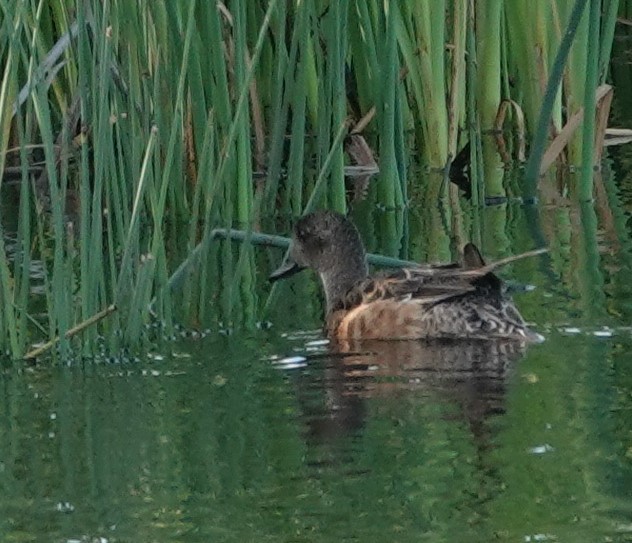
{"type": "Point", "coordinates": [254, 429]}
{"type": "Point", "coordinates": [266, 435]}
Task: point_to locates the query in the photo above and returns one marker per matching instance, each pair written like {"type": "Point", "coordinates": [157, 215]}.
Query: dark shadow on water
{"type": "Point", "coordinates": [469, 377]}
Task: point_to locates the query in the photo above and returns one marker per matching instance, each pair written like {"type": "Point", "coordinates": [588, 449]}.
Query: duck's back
{"type": "Point", "coordinates": [429, 302]}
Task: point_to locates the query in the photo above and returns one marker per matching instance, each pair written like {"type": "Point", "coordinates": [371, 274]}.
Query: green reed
{"type": "Point", "coordinates": [151, 118]}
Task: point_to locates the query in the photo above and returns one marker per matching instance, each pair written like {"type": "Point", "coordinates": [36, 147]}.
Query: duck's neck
{"type": "Point", "coordinates": [339, 279]}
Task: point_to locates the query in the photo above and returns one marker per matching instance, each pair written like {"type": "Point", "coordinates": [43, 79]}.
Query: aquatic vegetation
{"type": "Point", "coordinates": [131, 131]}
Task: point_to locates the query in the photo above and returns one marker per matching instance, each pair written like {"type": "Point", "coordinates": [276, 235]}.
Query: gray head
{"type": "Point", "coordinates": [329, 243]}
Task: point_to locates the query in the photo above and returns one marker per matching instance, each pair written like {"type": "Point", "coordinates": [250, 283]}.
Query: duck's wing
{"type": "Point", "coordinates": [473, 264]}
{"type": "Point", "coordinates": [470, 267]}
{"type": "Point", "coordinates": [407, 284]}
{"type": "Point", "coordinates": [432, 284]}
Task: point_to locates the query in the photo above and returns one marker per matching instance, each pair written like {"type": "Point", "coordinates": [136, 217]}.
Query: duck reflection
{"type": "Point", "coordinates": [470, 375]}
{"type": "Point", "coordinates": [449, 332]}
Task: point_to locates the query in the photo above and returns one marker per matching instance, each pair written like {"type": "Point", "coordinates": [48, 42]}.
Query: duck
{"type": "Point", "coordinates": [461, 300]}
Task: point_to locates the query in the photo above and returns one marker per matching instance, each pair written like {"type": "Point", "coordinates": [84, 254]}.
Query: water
{"type": "Point", "coordinates": [268, 437]}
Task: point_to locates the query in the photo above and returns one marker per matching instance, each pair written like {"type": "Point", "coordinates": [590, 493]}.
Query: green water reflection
{"type": "Point", "coordinates": [225, 440]}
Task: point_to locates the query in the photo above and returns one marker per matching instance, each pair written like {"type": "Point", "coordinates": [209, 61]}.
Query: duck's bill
{"type": "Point", "coordinates": [287, 269]}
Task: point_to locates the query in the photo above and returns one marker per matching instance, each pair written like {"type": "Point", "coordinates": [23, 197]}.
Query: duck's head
{"type": "Point", "coordinates": [330, 244]}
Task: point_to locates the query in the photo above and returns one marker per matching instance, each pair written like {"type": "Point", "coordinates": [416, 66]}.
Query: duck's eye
{"type": "Point", "coordinates": [303, 233]}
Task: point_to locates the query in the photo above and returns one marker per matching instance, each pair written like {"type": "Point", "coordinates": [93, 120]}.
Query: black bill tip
{"type": "Point", "coordinates": [287, 269]}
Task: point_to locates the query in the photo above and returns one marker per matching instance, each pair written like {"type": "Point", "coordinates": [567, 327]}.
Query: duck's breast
{"type": "Point", "coordinates": [381, 319]}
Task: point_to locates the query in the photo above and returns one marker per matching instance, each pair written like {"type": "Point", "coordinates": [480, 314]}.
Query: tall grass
{"type": "Point", "coordinates": [137, 123]}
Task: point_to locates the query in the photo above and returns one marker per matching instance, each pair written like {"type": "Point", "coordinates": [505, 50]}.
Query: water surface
{"type": "Point", "coordinates": [268, 437]}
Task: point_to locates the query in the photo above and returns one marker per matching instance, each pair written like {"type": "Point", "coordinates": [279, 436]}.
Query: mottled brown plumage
{"type": "Point", "coordinates": [461, 300]}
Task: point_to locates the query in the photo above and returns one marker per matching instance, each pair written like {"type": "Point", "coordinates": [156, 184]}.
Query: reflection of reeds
{"type": "Point", "coordinates": [147, 114]}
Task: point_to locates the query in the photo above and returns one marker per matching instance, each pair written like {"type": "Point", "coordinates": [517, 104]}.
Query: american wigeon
{"type": "Point", "coordinates": [462, 300]}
